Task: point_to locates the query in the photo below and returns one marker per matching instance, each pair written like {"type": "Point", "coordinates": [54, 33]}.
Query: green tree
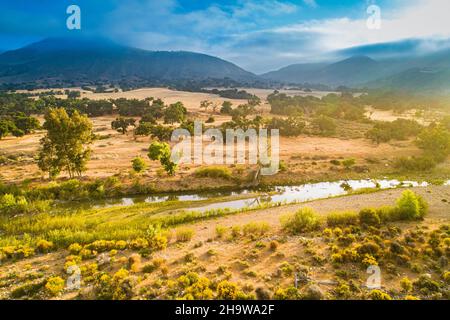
{"type": "Point", "coordinates": [138, 164]}
{"type": "Point", "coordinates": [325, 125]}
{"type": "Point", "coordinates": [121, 124]}
{"type": "Point", "coordinates": [226, 107]}
{"type": "Point", "coordinates": [25, 123]}
{"type": "Point", "coordinates": [435, 141]}
{"type": "Point", "coordinates": [144, 129]}
{"type": "Point", "coordinates": [64, 145]}
{"type": "Point", "coordinates": [176, 112]}
{"type": "Point", "coordinates": [160, 151]}
{"type": "Point", "coordinates": [6, 126]}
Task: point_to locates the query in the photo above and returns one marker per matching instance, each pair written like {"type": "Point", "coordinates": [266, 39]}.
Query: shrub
{"type": "Point", "coordinates": [55, 285]}
{"type": "Point", "coordinates": [227, 290]}
{"type": "Point", "coordinates": [274, 245]}
{"type": "Point", "coordinates": [184, 234]}
{"type": "Point", "coordinates": [134, 262]}
{"type": "Point", "coordinates": [303, 220]}
{"type": "Point", "coordinates": [411, 206]}
{"type": "Point", "coordinates": [138, 164]}
{"type": "Point", "coordinates": [342, 219]}
{"type": "Point", "coordinates": [446, 277]}
{"type": "Point", "coordinates": [156, 240]}
{"type": "Point", "coordinates": [343, 290]}
{"type": "Point", "coordinates": [28, 289]}
{"type": "Point", "coordinates": [75, 248]}
{"type": "Point", "coordinates": [214, 172]}
{"type": "Point", "coordinates": [255, 228]}
{"type": "Point", "coordinates": [325, 125]}
{"type": "Point", "coordinates": [369, 260]}
{"type": "Point", "coordinates": [348, 163]}
{"type": "Point", "coordinates": [369, 247]}
{"type": "Point", "coordinates": [369, 217]}
{"type": "Point", "coordinates": [220, 231]}
{"type": "Point", "coordinates": [290, 293]}
{"type": "Point", "coordinates": [422, 163]}
{"type": "Point", "coordinates": [379, 295]}
{"type": "Point", "coordinates": [406, 284]}
{"type": "Point", "coordinates": [286, 268]}
{"type": "Point", "coordinates": [44, 246]}
{"type": "Point", "coordinates": [235, 232]}
{"type": "Point", "coordinates": [117, 287]}
{"type": "Point", "coordinates": [426, 285]}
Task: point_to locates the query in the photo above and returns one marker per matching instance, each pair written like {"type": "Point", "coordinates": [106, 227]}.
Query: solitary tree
{"type": "Point", "coordinates": [205, 104]}
{"type": "Point", "coordinates": [161, 151]}
{"type": "Point", "coordinates": [226, 107]}
{"type": "Point", "coordinates": [64, 145]}
{"type": "Point", "coordinates": [138, 164]}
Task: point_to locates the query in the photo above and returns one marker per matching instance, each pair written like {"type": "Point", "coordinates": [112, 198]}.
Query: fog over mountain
{"type": "Point", "coordinates": [94, 59]}
{"type": "Point", "coordinates": [406, 65]}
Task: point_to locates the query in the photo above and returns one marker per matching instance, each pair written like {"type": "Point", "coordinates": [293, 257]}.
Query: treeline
{"type": "Point", "coordinates": [338, 106]}
{"type": "Point", "coordinates": [434, 141]}
{"type": "Point", "coordinates": [351, 107]}
{"type": "Point", "coordinates": [17, 124]}
{"type": "Point", "coordinates": [400, 101]}
{"type": "Point", "coordinates": [400, 129]}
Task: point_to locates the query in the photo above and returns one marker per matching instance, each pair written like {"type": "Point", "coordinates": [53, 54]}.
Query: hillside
{"type": "Point", "coordinates": [425, 73]}
{"type": "Point", "coordinates": [85, 60]}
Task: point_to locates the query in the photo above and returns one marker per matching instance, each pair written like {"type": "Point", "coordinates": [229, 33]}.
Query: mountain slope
{"type": "Point", "coordinates": [82, 59]}
{"type": "Point", "coordinates": [428, 72]}
{"type": "Point", "coordinates": [351, 71]}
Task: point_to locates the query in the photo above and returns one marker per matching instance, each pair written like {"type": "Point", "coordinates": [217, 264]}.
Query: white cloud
{"type": "Point", "coordinates": [422, 19]}
{"type": "Point", "coordinates": [240, 33]}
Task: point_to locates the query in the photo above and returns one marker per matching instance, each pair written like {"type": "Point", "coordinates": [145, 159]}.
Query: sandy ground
{"type": "Point", "coordinates": [113, 154]}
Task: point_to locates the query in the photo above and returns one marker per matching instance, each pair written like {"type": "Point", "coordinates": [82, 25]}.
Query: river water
{"type": "Point", "coordinates": [276, 194]}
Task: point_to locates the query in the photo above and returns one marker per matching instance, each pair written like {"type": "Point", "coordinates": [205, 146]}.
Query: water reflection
{"type": "Point", "coordinates": [284, 194]}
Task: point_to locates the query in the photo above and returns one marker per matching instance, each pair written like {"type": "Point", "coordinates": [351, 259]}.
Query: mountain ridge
{"type": "Point", "coordinates": [77, 59]}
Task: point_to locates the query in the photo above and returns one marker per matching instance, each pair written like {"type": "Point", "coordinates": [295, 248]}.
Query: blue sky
{"type": "Point", "coordinates": [259, 35]}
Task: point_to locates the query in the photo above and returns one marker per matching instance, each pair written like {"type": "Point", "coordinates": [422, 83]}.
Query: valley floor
{"type": "Point", "coordinates": [258, 263]}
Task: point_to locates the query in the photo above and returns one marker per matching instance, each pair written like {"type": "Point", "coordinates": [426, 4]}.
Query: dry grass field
{"type": "Point", "coordinates": [121, 253]}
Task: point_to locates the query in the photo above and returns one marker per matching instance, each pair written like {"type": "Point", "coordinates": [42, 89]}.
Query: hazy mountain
{"type": "Point", "coordinates": [81, 59]}
{"type": "Point", "coordinates": [418, 72]}
{"type": "Point", "coordinates": [348, 72]}
{"type": "Point", "coordinates": [295, 73]}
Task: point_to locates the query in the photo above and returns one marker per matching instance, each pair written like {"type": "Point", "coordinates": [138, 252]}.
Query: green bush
{"type": "Point", "coordinates": [255, 228]}
{"type": "Point", "coordinates": [214, 172]}
{"type": "Point", "coordinates": [369, 217]}
{"type": "Point", "coordinates": [138, 164]}
{"type": "Point", "coordinates": [348, 163]}
{"type": "Point", "coordinates": [303, 220]}
{"type": "Point", "coordinates": [379, 295]}
{"type": "Point", "coordinates": [184, 234]}
{"type": "Point", "coordinates": [325, 125]}
{"type": "Point", "coordinates": [411, 206]}
{"type": "Point", "coordinates": [342, 219]}
{"type": "Point", "coordinates": [55, 285]}
{"type": "Point", "coordinates": [423, 163]}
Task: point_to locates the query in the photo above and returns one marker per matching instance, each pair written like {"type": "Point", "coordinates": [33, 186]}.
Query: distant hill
{"type": "Point", "coordinates": [82, 60]}
{"type": "Point", "coordinates": [426, 72]}
{"type": "Point", "coordinates": [348, 72]}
